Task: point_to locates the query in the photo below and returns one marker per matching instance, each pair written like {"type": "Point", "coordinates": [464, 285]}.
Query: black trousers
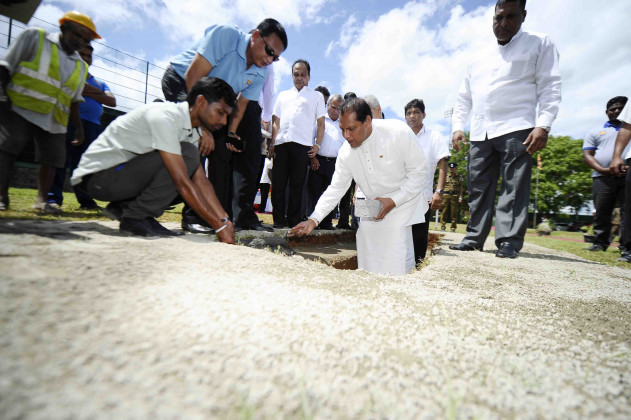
{"type": "Point", "coordinates": [245, 174]}
{"type": "Point", "coordinates": [625, 219]}
{"type": "Point", "coordinates": [345, 206]}
{"type": "Point", "coordinates": [143, 185]}
{"type": "Point", "coordinates": [290, 169]}
{"type": "Point", "coordinates": [318, 182]}
{"type": "Point", "coordinates": [608, 193]}
{"type": "Point", "coordinates": [419, 237]}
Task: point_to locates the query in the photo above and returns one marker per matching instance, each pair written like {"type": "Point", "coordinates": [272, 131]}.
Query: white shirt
{"type": "Point", "coordinates": [24, 48]}
{"type": "Point", "coordinates": [155, 126]}
{"type": "Point", "coordinates": [501, 91]}
{"type": "Point", "coordinates": [298, 112]}
{"type": "Point", "coordinates": [266, 98]}
{"type": "Point", "coordinates": [332, 139]}
{"type": "Point", "coordinates": [625, 116]}
{"type": "Point", "coordinates": [388, 163]}
{"type": "Point", "coordinates": [435, 148]}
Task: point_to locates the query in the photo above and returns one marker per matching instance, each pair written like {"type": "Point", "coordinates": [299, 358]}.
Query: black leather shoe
{"type": "Point", "coordinates": [136, 227]}
{"type": "Point", "coordinates": [506, 250]}
{"type": "Point", "coordinates": [626, 257]}
{"type": "Point", "coordinates": [464, 247]}
{"type": "Point", "coordinates": [161, 230]}
{"type": "Point", "coordinates": [259, 227]}
{"type": "Point", "coordinates": [113, 211]}
{"type": "Point", "coordinates": [347, 227]}
{"type": "Point", "coordinates": [196, 228]}
{"type": "Point", "coordinates": [596, 248]}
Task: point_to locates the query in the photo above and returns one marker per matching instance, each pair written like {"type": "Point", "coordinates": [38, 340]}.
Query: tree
{"type": "Point", "coordinates": [565, 179]}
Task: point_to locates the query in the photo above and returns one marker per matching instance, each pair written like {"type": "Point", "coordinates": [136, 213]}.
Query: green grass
{"type": "Point", "coordinates": [558, 240]}
{"type": "Point", "coordinates": [23, 198]}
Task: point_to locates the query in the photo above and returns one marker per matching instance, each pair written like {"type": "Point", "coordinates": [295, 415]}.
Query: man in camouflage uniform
{"type": "Point", "coordinates": [452, 198]}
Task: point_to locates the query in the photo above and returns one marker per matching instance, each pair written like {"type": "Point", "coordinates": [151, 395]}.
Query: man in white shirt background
{"type": "Point", "coordinates": [384, 159]}
{"type": "Point", "coordinates": [507, 93]}
{"type": "Point", "coordinates": [620, 167]}
{"type": "Point", "coordinates": [296, 112]}
{"type": "Point", "coordinates": [437, 153]}
{"type": "Point", "coordinates": [323, 164]}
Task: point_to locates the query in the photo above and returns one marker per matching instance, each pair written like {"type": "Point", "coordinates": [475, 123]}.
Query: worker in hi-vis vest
{"type": "Point", "coordinates": [41, 81]}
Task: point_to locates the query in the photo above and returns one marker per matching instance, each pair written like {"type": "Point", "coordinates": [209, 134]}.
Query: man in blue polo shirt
{"type": "Point", "coordinates": [240, 59]}
{"type": "Point", "coordinates": [96, 94]}
{"type": "Point", "coordinates": [608, 187]}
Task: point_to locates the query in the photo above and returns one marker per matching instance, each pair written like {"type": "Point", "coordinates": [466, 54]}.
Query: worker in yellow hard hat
{"type": "Point", "coordinates": [41, 83]}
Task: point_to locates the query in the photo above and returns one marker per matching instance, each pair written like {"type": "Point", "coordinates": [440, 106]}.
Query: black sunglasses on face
{"type": "Point", "coordinates": [269, 51]}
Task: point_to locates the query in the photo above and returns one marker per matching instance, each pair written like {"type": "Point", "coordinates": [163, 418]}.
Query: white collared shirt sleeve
{"type": "Point", "coordinates": [462, 107]}
{"type": "Point", "coordinates": [415, 166]}
{"type": "Point", "coordinates": [340, 183]}
{"type": "Point", "coordinates": [548, 80]}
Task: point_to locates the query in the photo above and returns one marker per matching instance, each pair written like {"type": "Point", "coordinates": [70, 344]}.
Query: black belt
{"type": "Point", "coordinates": [328, 159]}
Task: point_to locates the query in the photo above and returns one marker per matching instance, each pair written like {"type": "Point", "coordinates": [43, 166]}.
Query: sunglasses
{"type": "Point", "coordinates": [269, 51]}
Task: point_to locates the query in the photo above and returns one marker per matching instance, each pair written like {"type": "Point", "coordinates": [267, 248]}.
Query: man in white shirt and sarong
{"type": "Point", "coordinates": [386, 162]}
{"type": "Point", "coordinates": [513, 95]}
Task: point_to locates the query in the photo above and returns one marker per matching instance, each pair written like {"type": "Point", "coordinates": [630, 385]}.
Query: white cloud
{"type": "Point", "coordinates": [403, 54]}
{"type": "Point", "coordinates": [185, 20]}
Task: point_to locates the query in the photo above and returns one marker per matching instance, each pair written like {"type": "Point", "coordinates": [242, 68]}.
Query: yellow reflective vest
{"type": "Point", "coordinates": [37, 86]}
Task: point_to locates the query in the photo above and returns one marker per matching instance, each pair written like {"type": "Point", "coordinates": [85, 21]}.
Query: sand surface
{"type": "Point", "coordinates": [97, 325]}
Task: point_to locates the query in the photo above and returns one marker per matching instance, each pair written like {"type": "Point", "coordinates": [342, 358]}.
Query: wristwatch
{"type": "Point", "coordinates": [440, 191]}
{"type": "Point", "coordinates": [546, 128]}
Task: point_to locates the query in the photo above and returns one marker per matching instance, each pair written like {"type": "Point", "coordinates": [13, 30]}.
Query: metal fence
{"type": "Point", "coordinates": [132, 80]}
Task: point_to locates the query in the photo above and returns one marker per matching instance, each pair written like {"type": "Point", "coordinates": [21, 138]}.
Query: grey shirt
{"type": "Point", "coordinates": [155, 126]}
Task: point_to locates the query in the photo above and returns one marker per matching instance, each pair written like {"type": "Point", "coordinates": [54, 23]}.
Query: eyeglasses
{"type": "Point", "coordinates": [337, 108]}
{"type": "Point", "coordinates": [269, 51]}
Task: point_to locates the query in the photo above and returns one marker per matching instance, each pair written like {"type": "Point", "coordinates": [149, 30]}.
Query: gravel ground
{"type": "Point", "coordinates": [96, 325]}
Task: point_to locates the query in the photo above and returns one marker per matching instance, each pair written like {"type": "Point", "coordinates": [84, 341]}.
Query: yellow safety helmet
{"type": "Point", "coordinates": [81, 19]}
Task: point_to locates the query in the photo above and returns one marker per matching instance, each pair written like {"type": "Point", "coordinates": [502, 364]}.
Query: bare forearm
{"type": "Point", "coordinates": [442, 173]}
{"type": "Point", "coordinates": [200, 195]}
{"type": "Point", "coordinates": [101, 97]}
{"type": "Point", "coordinates": [237, 114]}
{"type": "Point", "coordinates": [624, 135]}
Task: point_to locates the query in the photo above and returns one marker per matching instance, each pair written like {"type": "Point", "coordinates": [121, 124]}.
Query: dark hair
{"type": "Point", "coordinates": [272, 26]}
{"type": "Point", "coordinates": [617, 100]}
{"type": "Point", "coordinates": [415, 103]}
{"type": "Point", "coordinates": [522, 3]}
{"type": "Point", "coordinates": [212, 89]}
{"type": "Point", "coordinates": [349, 95]}
{"type": "Point", "coordinates": [305, 62]}
{"type": "Point", "coordinates": [358, 106]}
{"type": "Point", "coordinates": [323, 90]}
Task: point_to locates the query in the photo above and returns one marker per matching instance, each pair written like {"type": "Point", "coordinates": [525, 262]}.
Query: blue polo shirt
{"type": "Point", "coordinates": [92, 109]}
{"type": "Point", "coordinates": [224, 47]}
{"type": "Point", "coordinates": [603, 141]}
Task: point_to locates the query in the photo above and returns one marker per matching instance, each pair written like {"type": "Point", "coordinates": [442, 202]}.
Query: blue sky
{"type": "Point", "coordinates": [397, 50]}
